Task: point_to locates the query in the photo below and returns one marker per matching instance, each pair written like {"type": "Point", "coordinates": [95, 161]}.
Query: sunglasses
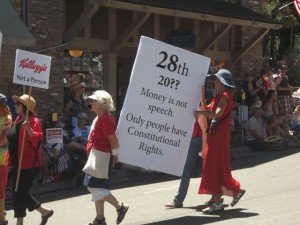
{"type": "Point", "coordinates": [18, 103]}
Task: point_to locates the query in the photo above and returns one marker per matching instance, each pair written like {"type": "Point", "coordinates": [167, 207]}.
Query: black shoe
{"type": "Point", "coordinates": [121, 213]}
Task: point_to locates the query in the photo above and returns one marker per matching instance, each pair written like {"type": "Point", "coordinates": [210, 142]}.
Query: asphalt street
{"type": "Point", "coordinates": [272, 181]}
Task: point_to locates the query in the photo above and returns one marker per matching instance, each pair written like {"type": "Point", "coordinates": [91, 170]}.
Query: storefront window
{"type": "Point", "coordinates": [87, 68]}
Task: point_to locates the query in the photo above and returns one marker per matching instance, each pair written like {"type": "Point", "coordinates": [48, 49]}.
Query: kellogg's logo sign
{"type": "Point", "coordinates": [31, 64]}
{"type": "Point", "coordinates": [32, 69]}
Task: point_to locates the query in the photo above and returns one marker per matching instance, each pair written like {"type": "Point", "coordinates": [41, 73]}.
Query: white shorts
{"type": "Point", "coordinates": [98, 193]}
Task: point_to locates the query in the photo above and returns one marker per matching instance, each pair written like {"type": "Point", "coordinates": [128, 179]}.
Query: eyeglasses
{"type": "Point", "coordinates": [18, 103]}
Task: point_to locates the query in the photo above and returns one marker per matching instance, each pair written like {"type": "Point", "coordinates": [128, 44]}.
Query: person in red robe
{"type": "Point", "coordinates": [216, 176]}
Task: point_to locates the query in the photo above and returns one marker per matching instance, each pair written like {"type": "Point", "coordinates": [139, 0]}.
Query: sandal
{"type": "Point", "coordinates": [98, 222]}
{"type": "Point", "coordinates": [46, 217]}
{"type": "Point", "coordinates": [211, 201]}
{"type": "Point", "coordinates": [121, 213]}
{"type": "Point", "coordinates": [214, 208]}
{"type": "Point", "coordinates": [174, 205]}
{"type": "Point", "coordinates": [237, 198]}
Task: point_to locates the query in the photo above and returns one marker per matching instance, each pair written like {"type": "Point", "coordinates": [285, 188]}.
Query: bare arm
{"type": "Point", "coordinates": [204, 106]}
{"type": "Point", "coordinates": [114, 144]}
{"type": "Point", "coordinates": [216, 113]}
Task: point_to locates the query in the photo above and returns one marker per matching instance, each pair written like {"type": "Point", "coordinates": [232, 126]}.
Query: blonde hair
{"type": "Point", "coordinates": [105, 100]}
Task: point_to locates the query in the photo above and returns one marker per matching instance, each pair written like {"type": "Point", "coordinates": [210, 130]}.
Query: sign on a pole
{"type": "Point", "coordinates": [32, 69]}
{"type": "Point", "coordinates": [1, 37]}
{"type": "Point", "coordinates": [54, 135]}
{"type": "Point", "coordinates": [157, 119]}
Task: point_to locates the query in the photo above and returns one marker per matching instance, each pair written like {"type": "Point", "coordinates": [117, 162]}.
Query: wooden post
{"type": "Point", "coordinates": [22, 147]}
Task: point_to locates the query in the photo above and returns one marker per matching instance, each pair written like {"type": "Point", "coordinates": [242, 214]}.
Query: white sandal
{"type": "Point", "coordinates": [214, 208]}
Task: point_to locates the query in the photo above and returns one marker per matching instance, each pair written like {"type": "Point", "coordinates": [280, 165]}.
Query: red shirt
{"type": "Point", "coordinates": [104, 127]}
{"type": "Point", "coordinates": [32, 145]}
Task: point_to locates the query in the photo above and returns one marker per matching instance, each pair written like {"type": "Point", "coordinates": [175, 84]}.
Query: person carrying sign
{"type": "Point", "coordinates": [193, 152]}
{"type": "Point", "coordinates": [216, 176]}
{"type": "Point", "coordinates": [32, 158]}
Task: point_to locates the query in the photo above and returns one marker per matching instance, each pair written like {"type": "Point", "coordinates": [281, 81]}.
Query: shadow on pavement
{"type": "Point", "coordinates": [204, 219]}
{"type": "Point", "coordinates": [253, 158]}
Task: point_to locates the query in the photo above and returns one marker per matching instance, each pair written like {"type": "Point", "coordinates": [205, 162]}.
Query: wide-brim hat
{"type": "Point", "coordinates": [225, 77]}
{"type": "Point", "coordinates": [26, 100]}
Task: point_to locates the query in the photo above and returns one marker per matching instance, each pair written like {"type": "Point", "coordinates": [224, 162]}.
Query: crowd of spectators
{"type": "Point", "coordinates": [273, 114]}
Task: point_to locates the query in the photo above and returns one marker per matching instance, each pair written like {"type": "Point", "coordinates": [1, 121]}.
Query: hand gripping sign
{"type": "Point", "coordinates": [157, 118]}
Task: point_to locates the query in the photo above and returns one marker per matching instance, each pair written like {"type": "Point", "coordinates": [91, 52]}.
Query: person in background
{"type": "Point", "coordinates": [216, 176]}
{"type": "Point", "coordinates": [284, 89]}
{"type": "Point", "coordinates": [272, 83]}
{"type": "Point", "coordinates": [12, 89]}
{"type": "Point", "coordinates": [103, 138]}
{"type": "Point", "coordinates": [262, 84]}
{"type": "Point", "coordinates": [270, 105]}
{"type": "Point", "coordinates": [76, 104]}
{"type": "Point", "coordinates": [255, 130]}
{"type": "Point", "coordinates": [5, 124]}
{"type": "Point", "coordinates": [31, 129]}
{"type": "Point", "coordinates": [81, 132]}
{"type": "Point", "coordinates": [250, 90]}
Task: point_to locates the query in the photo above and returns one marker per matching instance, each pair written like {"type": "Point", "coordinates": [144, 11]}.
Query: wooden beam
{"type": "Point", "coordinates": [137, 23]}
{"type": "Point", "coordinates": [253, 41]}
{"type": "Point", "coordinates": [184, 14]}
{"type": "Point", "coordinates": [214, 38]}
{"type": "Point", "coordinates": [80, 23]}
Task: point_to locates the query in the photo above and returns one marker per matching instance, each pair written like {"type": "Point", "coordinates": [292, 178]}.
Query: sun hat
{"type": "Point", "coordinates": [3, 99]}
{"type": "Point", "coordinates": [26, 100]}
{"type": "Point", "coordinates": [225, 77]}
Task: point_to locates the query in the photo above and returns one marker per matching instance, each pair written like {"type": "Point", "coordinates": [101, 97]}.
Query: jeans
{"type": "Point", "coordinates": [194, 150]}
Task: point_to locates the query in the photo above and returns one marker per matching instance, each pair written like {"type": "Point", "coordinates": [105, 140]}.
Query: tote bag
{"type": "Point", "coordinates": [97, 164]}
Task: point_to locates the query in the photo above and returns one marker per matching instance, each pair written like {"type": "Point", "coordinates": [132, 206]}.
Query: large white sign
{"type": "Point", "coordinates": [157, 118]}
{"type": "Point", "coordinates": [1, 36]}
{"type": "Point", "coordinates": [32, 69]}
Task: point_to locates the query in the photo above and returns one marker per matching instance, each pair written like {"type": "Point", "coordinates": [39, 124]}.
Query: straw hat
{"type": "Point", "coordinates": [26, 100]}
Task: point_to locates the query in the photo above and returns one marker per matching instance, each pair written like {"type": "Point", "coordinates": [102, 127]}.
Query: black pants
{"type": "Point", "coordinates": [22, 199]}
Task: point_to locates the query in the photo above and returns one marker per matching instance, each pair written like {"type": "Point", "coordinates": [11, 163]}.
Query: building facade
{"type": "Point", "coordinates": [105, 35]}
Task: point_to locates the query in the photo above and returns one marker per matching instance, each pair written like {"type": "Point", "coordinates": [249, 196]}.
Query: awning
{"type": "Point", "coordinates": [209, 10]}
{"type": "Point", "coordinates": [12, 27]}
